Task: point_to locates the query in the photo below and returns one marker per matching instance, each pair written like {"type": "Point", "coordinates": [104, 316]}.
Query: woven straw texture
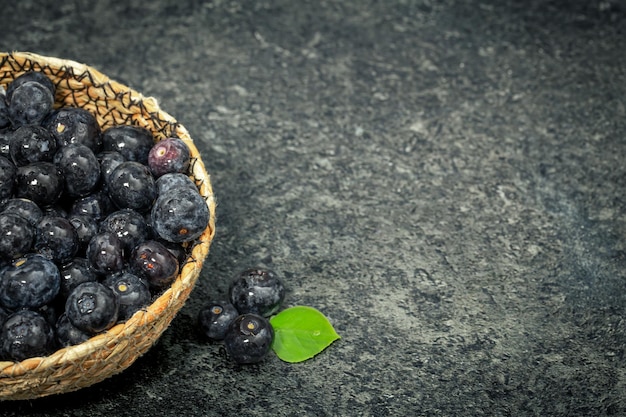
{"type": "Point", "coordinates": [111, 352]}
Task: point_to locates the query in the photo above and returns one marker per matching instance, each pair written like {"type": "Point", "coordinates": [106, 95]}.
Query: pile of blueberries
{"type": "Point", "coordinates": [94, 224]}
{"type": "Point", "coordinates": [241, 322]}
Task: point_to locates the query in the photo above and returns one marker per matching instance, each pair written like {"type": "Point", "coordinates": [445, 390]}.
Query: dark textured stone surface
{"type": "Point", "coordinates": [444, 180]}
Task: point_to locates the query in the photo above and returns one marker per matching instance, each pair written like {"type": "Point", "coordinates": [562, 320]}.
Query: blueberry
{"type": "Point", "coordinates": [249, 338]}
{"type": "Point", "coordinates": [257, 291]}
{"type": "Point", "coordinates": [215, 317]}
{"type": "Point", "coordinates": [97, 205]}
{"type": "Point", "coordinates": [3, 315]}
{"type": "Point", "coordinates": [26, 334]}
{"type": "Point", "coordinates": [8, 174]}
{"type": "Point", "coordinates": [55, 210]}
{"type": "Point", "coordinates": [155, 263]}
{"type": "Point", "coordinates": [29, 104]}
{"type": "Point", "coordinates": [74, 125]}
{"type": "Point", "coordinates": [134, 142]}
{"type": "Point", "coordinates": [23, 207]}
{"type": "Point", "coordinates": [34, 76]}
{"type": "Point", "coordinates": [170, 155]}
{"type": "Point", "coordinates": [129, 226]}
{"type": "Point", "coordinates": [67, 334]}
{"type": "Point", "coordinates": [6, 137]}
{"type": "Point", "coordinates": [41, 182]}
{"type": "Point", "coordinates": [180, 215]}
{"type": "Point", "coordinates": [109, 160]}
{"type": "Point", "coordinates": [29, 282]}
{"type": "Point", "coordinates": [80, 168]}
{"type": "Point", "coordinates": [31, 144]}
{"type": "Point", "coordinates": [105, 253]}
{"type": "Point", "coordinates": [4, 111]}
{"type": "Point", "coordinates": [16, 235]}
{"type": "Point", "coordinates": [56, 239]}
{"type": "Point", "coordinates": [131, 185]}
{"type": "Point", "coordinates": [92, 307]}
{"type": "Point", "coordinates": [172, 181]}
{"type": "Point", "coordinates": [86, 227]}
{"type": "Point", "coordinates": [75, 273]}
{"type": "Point", "coordinates": [132, 291]}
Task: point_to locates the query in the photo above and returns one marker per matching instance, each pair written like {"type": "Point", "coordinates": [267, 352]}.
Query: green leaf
{"type": "Point", "coordinates": [300, 333]}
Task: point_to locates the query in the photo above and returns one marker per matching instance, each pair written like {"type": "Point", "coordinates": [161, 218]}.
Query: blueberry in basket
{"type": "Point", "coordinates": [8, 173]}
{"type": "Point", "coordinates": [169, 156]}
{"type": "Point", "coordinates": [152, 261]}
{"type": "Point", "coordinates": [41, 182]}
{"type": "Point", "coordinates": [133, 142]}
{"type": "Point", "coordinates": [29, 103]}
{"type": "Point", "coordinates": [30, 144]}
{"type": "Point", "coordinates": [74, 125]}
{"type": "Point", "coordinates": [132, 291]}
{"type": "Point", "coordinates": [78, 249]}
{"type": "Point", "coordinates": [92, 307]}
{"type": "Point", "coordinates": [29, 282]}
{"type": "Point", "coordinates": [80, 169]}
{"type": "Point", "coordinates": [16, 235]}
{"type": "Point", "coordinates": [26, 334]}
{"type": "Point", "coordinates": [131, 185]}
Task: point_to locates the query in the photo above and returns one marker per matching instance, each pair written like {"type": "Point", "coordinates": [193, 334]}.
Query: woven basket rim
{"type": "Point", "coordinates": [10, 372]}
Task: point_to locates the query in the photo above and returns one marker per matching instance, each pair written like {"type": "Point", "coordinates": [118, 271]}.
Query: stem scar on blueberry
{"type": "Point", "coordinates": [122, 287]}
{"type": "Point", "coordinates": [216, 310]}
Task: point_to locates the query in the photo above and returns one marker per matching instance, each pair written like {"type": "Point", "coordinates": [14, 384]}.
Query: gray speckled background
{"type": "Point", "coordinates": [444, 180]}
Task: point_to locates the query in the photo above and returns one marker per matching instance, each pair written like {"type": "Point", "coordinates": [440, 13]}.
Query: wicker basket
{"type": "Point", "coordinates": [111, 352]}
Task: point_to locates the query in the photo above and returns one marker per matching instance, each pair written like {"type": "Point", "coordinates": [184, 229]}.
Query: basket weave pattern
{"type": "Point", "coordinates": [111, 352]}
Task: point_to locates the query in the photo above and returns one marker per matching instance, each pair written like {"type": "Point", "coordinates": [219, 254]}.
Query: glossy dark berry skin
{"type": "Point", "coordinates": [109, 160]}
{"type": "Point", "coordinates": [249, 338]}
{"type": "Point", "coordinates": [74, 273]}
{"type": "Point", "coordinates": [8, 174]}
{"type": "Point", "coordinates": [56, 239]}
{"type": "Point", "coordinates": [29, 282]}
{"type": "Point", "coordinates": [180, 215]}
{"type": "Point", "coordinates": [67, 334]}
{"type": "Point", "coordinates": [132, 291]}
{"type": "Point", "coordinates": [41, 182]}
{"type": "Point", "coordinates": [4, 111]}
{"type": "Point", "coordinates": [134, 142]}
{"type": "Point", "coordinates": [23, 207]}
{"type": "Point", "coordinates": [74, 125]}
{"type": "Point", "coordinates": [152, 261]}
{"type": "Point", "coordinates": [105, 253]}
{"type": "Point", "coordinates": [128, 225]}
{"type": "Point", "coordinates": [29, 104]}
{"type": "Point", "coordinates": [214, 319]}
{"type": "Point", "coordinates": [173, 181]}
{"type": "Point", "coordinates": [86, 227]}
{"type": "Point", "coordinates": [170, 155]}
{"type": "Point", "coordinates": [92, 307]}
{"type": "Point", "coordinates": [257, 290]}
{"type": "Point", "coordinates": [5, 140]}
{"type": "Point", "coordinates": [31, 144]}
{"type": "Point", "coordinates": [34, 76]}
{"type": "Point", "coordinates": [16, 235]}
{"type": "Point", "coordinates": [97, 205]}
{"type": "Point", "coordinates": [131, 185]}
{"type": "Point", "coordinates": [26, 334]}
{"type": "Point", "coordinates": [80, 168]}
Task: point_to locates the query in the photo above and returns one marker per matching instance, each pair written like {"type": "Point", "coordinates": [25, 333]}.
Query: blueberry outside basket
{"type": "Point", "coordinates": [113, 351]}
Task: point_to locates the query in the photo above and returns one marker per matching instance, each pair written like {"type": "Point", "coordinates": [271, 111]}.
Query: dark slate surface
{"type": "Point", "coordinates": [444, 180]}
